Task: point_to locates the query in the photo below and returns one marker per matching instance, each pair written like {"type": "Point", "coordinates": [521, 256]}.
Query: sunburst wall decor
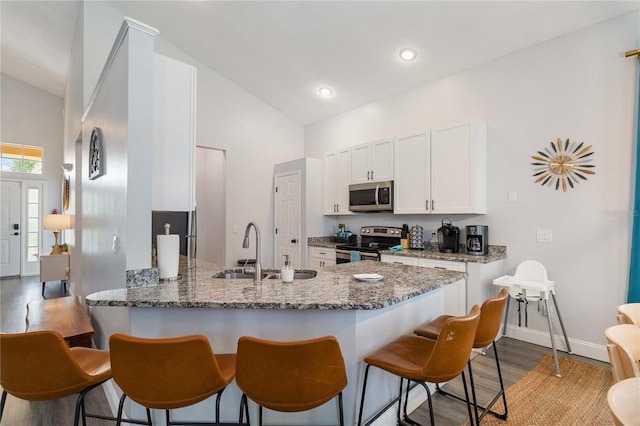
{"type": "Point", "coordinates": [564, 164]}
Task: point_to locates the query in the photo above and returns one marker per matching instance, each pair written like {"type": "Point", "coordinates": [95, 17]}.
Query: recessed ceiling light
{"type": "Point", "coordinates": [408, 54]}
{"type": "Point", "coordinates": [325, 91]}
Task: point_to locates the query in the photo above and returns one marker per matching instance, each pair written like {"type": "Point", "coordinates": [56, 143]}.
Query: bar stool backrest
{"type": "Point", "coordinates": [165, 373]}
{"type": "Point", "coordinates": [491, 314]}
{"type": "Point", "coordinates": [629, 313]}
{"type": "Point", "coordinates": [39, 366]}
{"type": "Point", "coordinates": [290, 376]}
{"type": "Point", "coordinates": [453, 347]}
{"type": "Point", "coordinates": [623, 399]}
{"type": "Point", "coordinates": [624, 350]}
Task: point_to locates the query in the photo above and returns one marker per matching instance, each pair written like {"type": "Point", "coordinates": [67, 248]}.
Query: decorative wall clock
{"type": "Point", "coordinates": [564, 164]}
{"type": "Point", "coordinates": [96, 154]}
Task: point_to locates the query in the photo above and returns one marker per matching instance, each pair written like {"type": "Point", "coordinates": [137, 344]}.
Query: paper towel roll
{"type": "Point", "coordinates": [168, 256]}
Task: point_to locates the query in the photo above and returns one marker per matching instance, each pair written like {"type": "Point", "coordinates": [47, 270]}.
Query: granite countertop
{"type": "Point", "coordinates": [323, 242]}
{"type": "Point", "coordinates": [495, 253]}
{"type": "Point", "coordinates": [333, 288]}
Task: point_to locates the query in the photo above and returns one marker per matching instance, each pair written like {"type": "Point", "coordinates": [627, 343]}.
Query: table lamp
{"type": "Point", "coordinates": [56, 222]}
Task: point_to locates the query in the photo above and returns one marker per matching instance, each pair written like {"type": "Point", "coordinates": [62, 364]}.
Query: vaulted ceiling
{"type": "Point", "coordinates": [282, 52]}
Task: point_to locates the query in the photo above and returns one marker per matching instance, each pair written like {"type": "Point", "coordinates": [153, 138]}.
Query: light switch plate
{"type": "Point", "coordinates": [544, 236]}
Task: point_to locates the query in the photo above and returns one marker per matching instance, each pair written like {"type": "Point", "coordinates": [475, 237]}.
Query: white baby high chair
{"type": "Point", "coordinates": [531, 283]}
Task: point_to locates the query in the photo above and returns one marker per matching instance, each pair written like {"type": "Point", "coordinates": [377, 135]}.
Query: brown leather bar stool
{"type": "Point", "coordinates": [490, 319]}
{"type": "Point", "coordinates": [423, 360]}
{"type": "Point", "coordinates": [168, 373]}
{"type": "Point", "coordinates": [290, 376]}
{"type": "Point", "coordinates": [40, 366]}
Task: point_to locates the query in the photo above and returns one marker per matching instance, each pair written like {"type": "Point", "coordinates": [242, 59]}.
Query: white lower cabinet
{"type": "Point", "coordinates": [319, 257]}
{"type": "Point", "coordinates": [455, 295]}
{"type": "Point", "coordinates": [402, 260]}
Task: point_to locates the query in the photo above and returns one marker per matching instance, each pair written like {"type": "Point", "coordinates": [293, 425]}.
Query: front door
{"type": "Point", "coordinates": [9, 229]}
{"type": "Point", "coordinates": [287, 218]}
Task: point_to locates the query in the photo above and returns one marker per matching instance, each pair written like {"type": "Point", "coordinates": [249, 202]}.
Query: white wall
{"type": "Point", "coordinates": [578, 86]}
{"type": "Point", "coordinates": [31, 116]}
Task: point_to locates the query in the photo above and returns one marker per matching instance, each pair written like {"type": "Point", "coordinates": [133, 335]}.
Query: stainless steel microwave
{"type": "Point", "coordinates": [371, 197]}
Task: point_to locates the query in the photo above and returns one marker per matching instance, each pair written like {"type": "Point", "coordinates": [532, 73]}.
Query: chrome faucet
{"type": "Point", "coordinates": [245, 244]}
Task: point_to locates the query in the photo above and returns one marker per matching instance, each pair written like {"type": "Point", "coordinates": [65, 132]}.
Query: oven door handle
{"type": "Point", "coordinates": [377, 191]}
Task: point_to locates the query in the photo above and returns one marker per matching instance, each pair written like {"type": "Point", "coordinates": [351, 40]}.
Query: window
{"type": "Point", "coordinates": [21, 158]}
{"type": "Point", "coordinates": [33, 224]}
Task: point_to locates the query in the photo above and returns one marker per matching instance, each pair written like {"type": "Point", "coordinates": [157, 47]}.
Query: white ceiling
{"type": "Point", "coordinates": [283, 51]}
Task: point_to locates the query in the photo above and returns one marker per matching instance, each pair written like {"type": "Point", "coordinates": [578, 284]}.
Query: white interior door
{"type": "Point", "coordinates": [287, 218]}
{"type": "Point", "coordinates": [9, 229]}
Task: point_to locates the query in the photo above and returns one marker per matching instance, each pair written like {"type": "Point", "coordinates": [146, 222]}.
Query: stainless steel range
{"type": "Point", "coordinates": [373, 239]}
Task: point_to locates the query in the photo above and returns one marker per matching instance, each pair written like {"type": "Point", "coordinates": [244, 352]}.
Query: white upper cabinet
{"type": "Point", "coordinates": [442, 171]}
{"type": "Point", "coordinates": [337, 177]}
{"type": "Point", "coordinates": [372, 162]}
{"type": "Point", "coordinates": [459, 168]}
{"type": "Point", "coordinates": [412, 186]}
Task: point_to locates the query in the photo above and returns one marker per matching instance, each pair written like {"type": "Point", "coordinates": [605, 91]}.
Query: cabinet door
{"type": "Point", "coordinates": [402, 260]}
{"type": "Point", "coordinates": [343, 176]}
{"type": "Point", "coordinates": [458, 168]}
{"type": "Point", "coordinates": [455, 295]}
{"type": "Point", "coordinates": [330, 182]}
{"type": "Point", "coordinates": [412, 182]}
{"type": "Point", "coordinates": [371, 162]}
{"type": "Point", "coordinates": [360, 163]}
{"type": "Point", "coordinates": [337, 177]}
{"type": "Point", "coordinates": [381, 160]}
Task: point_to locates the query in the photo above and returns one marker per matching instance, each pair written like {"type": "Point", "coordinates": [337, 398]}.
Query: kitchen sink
{"type": "Point", "coordinates": [298, 274]}
{"type": "Point", "coordinates": [236, 274]}
{"type": "Point", "coordinates": [272, 274]}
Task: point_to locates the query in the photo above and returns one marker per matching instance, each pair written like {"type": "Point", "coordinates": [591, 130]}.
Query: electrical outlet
{"type": "Point", "coordinates": [544, 236]}
{"type": "Point", "coordinates": [234, 229]}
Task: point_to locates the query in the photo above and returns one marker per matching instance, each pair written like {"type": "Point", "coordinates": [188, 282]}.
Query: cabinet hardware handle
{"type": "Point", "coordinates": [426, 205]}
{"type": "Point", "coordinates": [371, 174]}
{"type": "Point", "coordinates": [439, 267]}
{"type": "Point", "coordinates": [368, 173]}
{"type": "Point", "coordinates": [432, 204]}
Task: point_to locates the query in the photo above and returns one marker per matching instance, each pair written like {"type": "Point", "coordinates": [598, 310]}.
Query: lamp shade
{"type": "Point", "coordinates": [56, 221]}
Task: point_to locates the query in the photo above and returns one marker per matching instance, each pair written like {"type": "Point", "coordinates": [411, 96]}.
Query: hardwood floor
{"type": "Point", "coordinates": [516, 359]}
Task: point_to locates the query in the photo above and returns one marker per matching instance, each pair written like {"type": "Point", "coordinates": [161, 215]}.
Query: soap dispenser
{"type": "Point", "coordinates": [287, 270]}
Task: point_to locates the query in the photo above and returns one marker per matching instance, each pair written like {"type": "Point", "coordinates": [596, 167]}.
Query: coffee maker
{"type": "Point", "coordinates": [448, 237]}
{"type": "Point", "coordinates": [477, 239]}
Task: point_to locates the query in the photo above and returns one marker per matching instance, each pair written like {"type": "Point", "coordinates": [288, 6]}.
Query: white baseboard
{"type": "Point", "coordinates": [578, 347]}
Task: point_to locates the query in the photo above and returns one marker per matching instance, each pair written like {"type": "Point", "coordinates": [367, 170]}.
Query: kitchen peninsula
{"type": "Point", "coordinates": [362, 315]}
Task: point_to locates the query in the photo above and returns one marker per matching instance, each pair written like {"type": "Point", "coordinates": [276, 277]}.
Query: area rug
{"type": "Point", "coordinates": [540, 398]}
